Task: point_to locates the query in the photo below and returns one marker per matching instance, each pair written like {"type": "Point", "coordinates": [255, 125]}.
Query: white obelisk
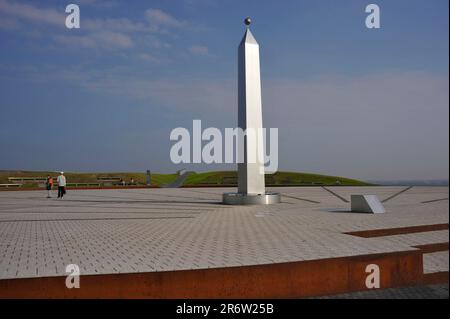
{"type": "Point", "coordinates": [251, 185]}
{"type": "Point", "coordinates": [251, 172]}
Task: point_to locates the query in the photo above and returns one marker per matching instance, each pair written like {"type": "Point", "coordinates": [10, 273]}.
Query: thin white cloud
{"type": "Point", "coordinates": [119, 24]}
{"type": "Point", "coordinates": [199, 50]}
{"type": "Point", "coordinates": [390, 125]}
{"type": "Point", "coordinates": [99, 3]}
{"type": "Point", "coordinates": [159, 18]}
{"type": "Point", "coordinates": [29, 12]}
{"type": "Point", "coordinates": [57, 18]}
{"type": "Point", "coordinates": [154, 42]}
{"type": "Point", "coordinates": [108, 40]}
{"type": "Point", "coordinates": [149, 58]}
{"type": "Point", "coordinates": [342, 123]}
{"type": "Point", "coordinates": [109, 33]}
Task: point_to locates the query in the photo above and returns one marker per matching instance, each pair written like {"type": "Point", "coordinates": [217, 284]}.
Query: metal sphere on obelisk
{"type": "Point", "coordinates": [251, 184]}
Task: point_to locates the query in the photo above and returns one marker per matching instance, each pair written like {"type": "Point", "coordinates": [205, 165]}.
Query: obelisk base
{"type": "Point", "coordinates": [248, 199]}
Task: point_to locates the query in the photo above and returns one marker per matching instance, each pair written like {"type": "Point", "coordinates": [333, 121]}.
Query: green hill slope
{"type": "Point", "coordinates": [139, 178]}
{"type": "Point", "coordinates": [219, 178]}
{"type": "Point", "coordinates": [279, 178]}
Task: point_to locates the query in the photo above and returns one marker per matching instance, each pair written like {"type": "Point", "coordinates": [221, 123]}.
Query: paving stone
{"type": "Point", "coordinates": [435, 262]}
{"type": "Point", "coordinates": [122, 231]}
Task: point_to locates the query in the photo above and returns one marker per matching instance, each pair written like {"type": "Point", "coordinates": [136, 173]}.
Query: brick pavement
{"type": "Point", "coordinates": [146, 230]}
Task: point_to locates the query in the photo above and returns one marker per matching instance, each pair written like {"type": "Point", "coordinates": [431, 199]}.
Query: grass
{"type": "Point", "coordinates": [163, 179]}
{"type": "Point", "coordinates": [196, 179]}
{"type": "Point", "coordinates": [211, 178]}
{"type": "Point", "coordinates": [279, 178]}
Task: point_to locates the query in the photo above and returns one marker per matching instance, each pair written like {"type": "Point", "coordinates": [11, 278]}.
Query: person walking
{"type": "Point", "coordinates": [49, 185]}
{"type": "Point", "coordinates": [61, 185]}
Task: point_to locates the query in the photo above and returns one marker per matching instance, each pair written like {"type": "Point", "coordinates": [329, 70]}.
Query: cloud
{"type": "Point", "coordinates": [199, 50]}
{"type": "Point", "coordinates": [152, 41]}
{"type": "Point", "coordinates": [119, 24]}
{"type": "Point", "coordinates": [385, 125]}
{"type": "Point", "coordinates": [149, 58]}
{"type": "Point", "coordinates": [106, 40]}
{"type": "Point", "coordinates": [201, 2]}
{"type": "Point", "coordinates": [109, 33]}
{"type": "Point", "coordinates": [180, 94]}
{"type": "Point", "coordinates": [29, 12]}
{"type": "Point", "coordinates": [183, 94]}
{"type": "Point", "coordinates": [99, 3]}
{"type": "Point", "coordinates": [10, 24]}
{"type": "Point", "coordinates": [159, 18]}
{"type": "Point", "coordinates": [56, 18]}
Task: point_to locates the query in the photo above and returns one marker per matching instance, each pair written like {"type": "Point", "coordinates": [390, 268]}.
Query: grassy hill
{"type": "Point", "coordinates": [277, 179]}
{"type": "Point", "coordinates": [139, 178]}
{"type": "Point", "coordinates": [220, 178]}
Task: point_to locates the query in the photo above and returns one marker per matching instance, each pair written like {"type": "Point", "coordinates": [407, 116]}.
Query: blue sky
{"type": "Point", "coordinates": [369, 104]}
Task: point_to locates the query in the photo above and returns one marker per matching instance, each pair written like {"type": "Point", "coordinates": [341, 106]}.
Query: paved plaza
{"type": "Point", "coordinates": [149, 230]}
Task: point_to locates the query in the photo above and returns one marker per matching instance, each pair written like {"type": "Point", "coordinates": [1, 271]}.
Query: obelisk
{"type": "Point", "coordinates": [251, 185]}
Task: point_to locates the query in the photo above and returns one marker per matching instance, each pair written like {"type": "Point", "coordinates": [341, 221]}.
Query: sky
{"type": "Point", "coordinates": [347, 100]}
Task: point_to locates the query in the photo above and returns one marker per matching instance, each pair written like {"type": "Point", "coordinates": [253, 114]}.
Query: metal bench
{"type": "Point", "coordinates": [10, 185]}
